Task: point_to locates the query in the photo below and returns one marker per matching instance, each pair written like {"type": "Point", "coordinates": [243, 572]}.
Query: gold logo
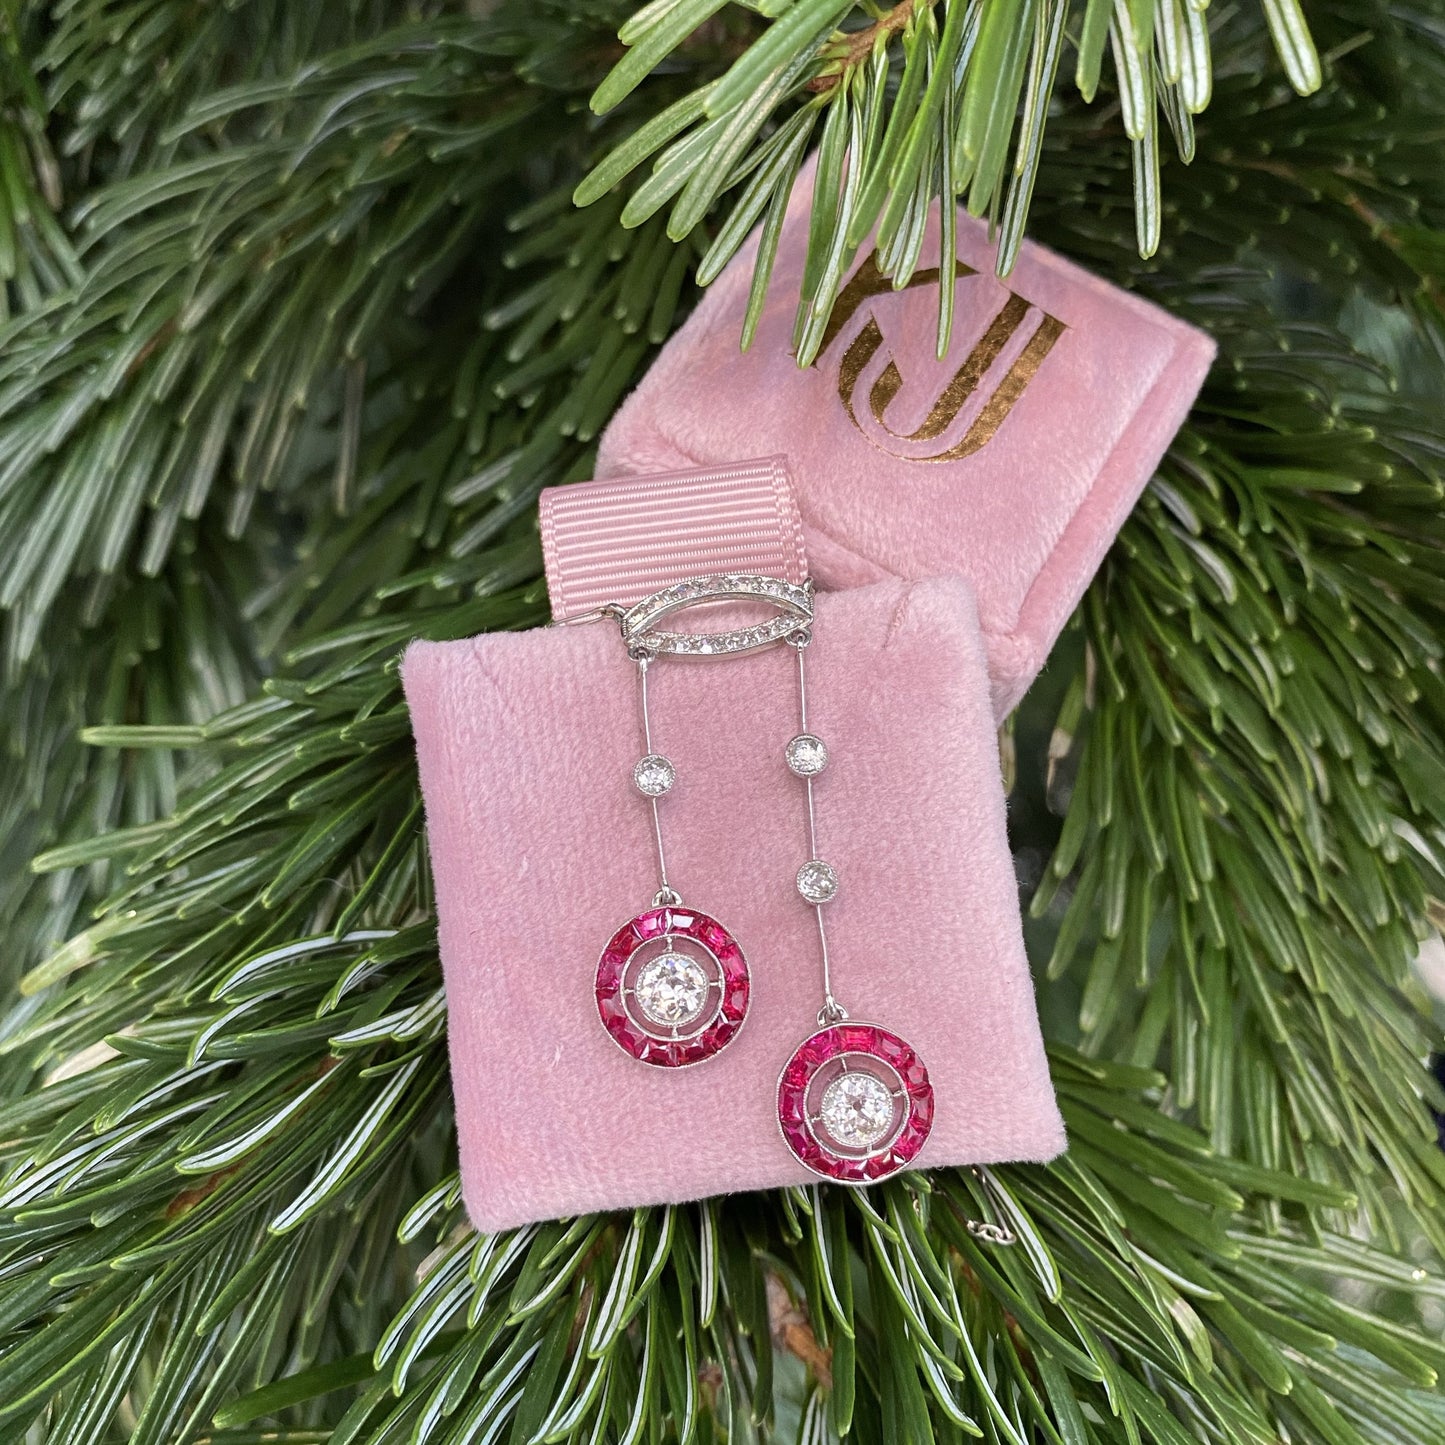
{"type": "Point", "coordinates": [868, 281]}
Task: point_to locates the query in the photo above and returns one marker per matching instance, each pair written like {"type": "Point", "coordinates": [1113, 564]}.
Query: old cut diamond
{"type": "Point", "coordinates": [857, 1110]}
{"type": "Point", "coordinates": [671, 989]}
{"type": "Point", "coordinates": [654, 775]}
{"type": "Point", "coordinates": [807, 756]}
{"type": "Point", "coordinates": [817, 880]}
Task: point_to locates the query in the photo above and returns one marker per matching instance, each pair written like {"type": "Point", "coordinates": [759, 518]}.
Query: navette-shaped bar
{"type": "Point", "coordinates": [642, 622]}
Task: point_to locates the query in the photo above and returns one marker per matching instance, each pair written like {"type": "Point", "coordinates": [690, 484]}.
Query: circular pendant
{"type": "Point", "coordinates": [672, 987]}
{"type": "Point", "coordinates": [854, 1103]}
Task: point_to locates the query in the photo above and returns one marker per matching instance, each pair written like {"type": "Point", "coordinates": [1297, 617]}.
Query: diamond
{"type": "Point", "coordinates": [857, 1110]}
{"type": "Point", "coordinates": [671, 989]}
{"type": "Point", "coordinates": [654, 775]}
{"type": "Point", "coordinates": [817, 880]}
{"type": "Point", "coordinates": [807, 756]}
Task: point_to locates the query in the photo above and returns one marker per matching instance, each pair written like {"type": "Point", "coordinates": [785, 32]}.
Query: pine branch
{"type": "Point", "coordinates": [37, 259]}
{"type": "Point", "coordinates": [186, 437]}
{"type": "Point", "coordinates": [1256, 827]}
{"type": "Point", "coordinates": [245, 1099]}
{"type": "Point", "coordinates": [919, 102]}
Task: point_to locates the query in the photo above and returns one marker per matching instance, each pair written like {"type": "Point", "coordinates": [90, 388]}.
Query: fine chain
{"type": "Point", "coordinates": [832, 1011]}
{"type": "Point", "coordinates": [666, 893]}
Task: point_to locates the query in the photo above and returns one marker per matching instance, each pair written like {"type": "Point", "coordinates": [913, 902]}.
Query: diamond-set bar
{"type": "Point", "coordinates": [817, 880]}
{"type": "Point", "coordinates": [643, 632]}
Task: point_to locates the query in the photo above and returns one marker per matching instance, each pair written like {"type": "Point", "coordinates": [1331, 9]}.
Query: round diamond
{"type": "Point", "coordinates": [654, 775]}
{"type": "Point", "coordinates": [807, 756]}
{"type": "Point", "coordinates": [817, 881]}
{"type": "Point", "coordinates": [671, 989]}
{"type": "Point", "coordinates": [857, 1110]}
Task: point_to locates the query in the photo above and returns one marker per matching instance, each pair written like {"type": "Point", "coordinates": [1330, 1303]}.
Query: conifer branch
{"type": "Point", "coordinates": [229, 1207]}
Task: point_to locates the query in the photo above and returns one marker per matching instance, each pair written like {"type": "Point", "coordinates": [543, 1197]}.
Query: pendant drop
{"type": "Point", "coordinates": [672, 987]}
{"type": "Point", "coordinates": [854, 1103]}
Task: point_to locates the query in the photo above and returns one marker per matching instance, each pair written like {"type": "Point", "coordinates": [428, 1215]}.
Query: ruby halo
{"type": "Point", "coordinates": [672, 987]}
{"type": "Point", "coordinates": [854, 1103]}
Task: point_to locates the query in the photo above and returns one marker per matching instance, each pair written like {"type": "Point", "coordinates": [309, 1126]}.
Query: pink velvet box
{"type": "Point", "coordinates": [1013, 462]}
{"type": "Point", "coordinates": [541, 848]}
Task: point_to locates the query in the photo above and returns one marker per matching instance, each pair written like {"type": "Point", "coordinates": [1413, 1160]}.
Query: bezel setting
{"type": "Point", "coordinates": [698, 1038]}
{"type": "Point", "coordinates": [819, 1062]}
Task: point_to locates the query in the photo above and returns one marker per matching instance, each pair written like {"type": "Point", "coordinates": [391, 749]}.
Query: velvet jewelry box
{"type": "Point", "coordinates": [1011, 463]}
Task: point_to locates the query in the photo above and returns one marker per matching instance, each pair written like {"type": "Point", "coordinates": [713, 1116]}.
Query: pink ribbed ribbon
{"type": "Point", "coordinates": [620, 540]}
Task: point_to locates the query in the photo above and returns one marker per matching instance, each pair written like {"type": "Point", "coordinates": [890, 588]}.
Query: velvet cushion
{"type": "Point", "coordinates": [541, 848]}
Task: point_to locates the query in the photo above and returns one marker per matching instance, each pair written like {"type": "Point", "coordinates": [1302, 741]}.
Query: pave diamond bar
{"type": "Point", "coordinates": [722, 644]}
{"type": "Point", "coordinates": [794, 601]}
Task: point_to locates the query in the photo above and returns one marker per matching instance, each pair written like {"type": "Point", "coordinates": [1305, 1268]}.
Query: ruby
{"type": "Point", "coordinates": [910, 1141]}
{"type": "Point", "coordinates": [823, 1046]}
{"type": "Point", "coordinates": [802, 1071]}
{"type": "Point", "coordinates": [892, 1048]}
{"type": "Point", "coordinates": [717, 938]}
{"type": "Point", "coordinates": [711, 1039]}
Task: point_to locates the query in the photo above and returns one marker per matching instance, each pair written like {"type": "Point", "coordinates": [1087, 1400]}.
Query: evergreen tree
{"type": "Point", "coordinates": [301, 312]}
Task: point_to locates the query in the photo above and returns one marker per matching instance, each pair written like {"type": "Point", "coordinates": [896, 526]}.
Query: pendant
{"type": "Point", "coordinates": [854, 1103]}
{"type": "Point", "coordinates": [672, 987]}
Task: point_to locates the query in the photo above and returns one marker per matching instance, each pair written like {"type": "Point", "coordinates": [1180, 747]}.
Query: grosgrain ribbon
{"type": "Point", "coordinates": [620, 540]}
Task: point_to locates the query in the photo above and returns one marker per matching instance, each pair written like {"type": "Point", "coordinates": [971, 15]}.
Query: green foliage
{"type": "Point", "coordinates": [303, 318]}
{"type": "Point", "coordinates": [912, 103]}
